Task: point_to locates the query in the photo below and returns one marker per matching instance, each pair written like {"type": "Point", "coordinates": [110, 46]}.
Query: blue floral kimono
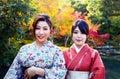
{"type": "Point", "coordinates": [48, 57]}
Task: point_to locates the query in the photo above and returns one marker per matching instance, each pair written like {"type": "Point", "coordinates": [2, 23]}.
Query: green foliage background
{"type": "Point", "coordinates": [14, 14]}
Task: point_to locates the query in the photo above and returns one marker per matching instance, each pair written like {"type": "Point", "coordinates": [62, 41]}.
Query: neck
{"type": "Point", "coordinates": [79, 46]}
{"type": "Point", "coordinates": [39, 44]}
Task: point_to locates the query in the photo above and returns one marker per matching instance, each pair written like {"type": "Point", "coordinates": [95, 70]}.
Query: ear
{"type": "Point", "coordinates": [52, 31]}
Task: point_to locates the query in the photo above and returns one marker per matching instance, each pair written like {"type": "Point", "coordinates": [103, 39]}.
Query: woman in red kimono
{"type": "Point", "coordinates": [82, 61]}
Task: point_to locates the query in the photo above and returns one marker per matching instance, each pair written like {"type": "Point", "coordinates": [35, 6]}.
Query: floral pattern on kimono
{"type": "Point", "coordinates": [48, 57]}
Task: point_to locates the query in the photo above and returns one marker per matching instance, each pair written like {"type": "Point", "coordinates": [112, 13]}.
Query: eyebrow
{"type": "Point", "coordinates": [43, 25]}
{"type": "Point", "coordinates": [76, 29]}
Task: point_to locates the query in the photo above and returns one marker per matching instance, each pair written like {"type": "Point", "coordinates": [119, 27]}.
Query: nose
{"type": "Point", "coordinates": [79, 35]}
{"type": "Point", "coordinates": [40, 31]}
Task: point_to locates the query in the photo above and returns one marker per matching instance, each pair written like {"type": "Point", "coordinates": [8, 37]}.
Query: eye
{"type": "Point", "coordinates": [45, 28]}
{"type": "Point", "coordinates": [37, 28]}
{"type": "Point", "coordinates": [75, 32]}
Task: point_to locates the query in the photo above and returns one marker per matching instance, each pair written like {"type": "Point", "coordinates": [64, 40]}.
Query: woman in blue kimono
{"type": "Point", "coordinates": [40, 59]}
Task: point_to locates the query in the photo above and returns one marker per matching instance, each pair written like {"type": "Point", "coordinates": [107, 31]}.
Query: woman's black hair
{"type": "Point", "coordinates": [82, 25]}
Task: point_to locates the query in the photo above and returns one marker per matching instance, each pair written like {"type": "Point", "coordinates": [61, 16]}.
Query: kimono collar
{"type": "Point", "coordinates": [78, 49]}
{"type": "Point", "coordinates": [45, 44]}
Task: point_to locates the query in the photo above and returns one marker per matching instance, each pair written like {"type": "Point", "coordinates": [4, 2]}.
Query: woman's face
{"type": "Point", "coordinates": [78, 38]}
{"type": "Point", "coordinates": [42, 32]}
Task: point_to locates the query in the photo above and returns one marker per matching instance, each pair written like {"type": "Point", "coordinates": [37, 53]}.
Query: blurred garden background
{"type": "Point", "coordinates": [103, 17]}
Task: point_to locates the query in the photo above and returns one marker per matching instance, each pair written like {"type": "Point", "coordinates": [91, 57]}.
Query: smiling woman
{"type": "Point", "coordinates": [82, 61]}
{"type": "Point", "coordinates": [40, 59]}
{"type": "Point", "coordinates": [42, 32]}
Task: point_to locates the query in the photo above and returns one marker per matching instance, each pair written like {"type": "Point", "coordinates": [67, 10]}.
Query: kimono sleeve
{"type": "Point", "coordinates": [97, 67]}
{"type": "Point", "coordinates": [15, 69]}
{"type": "Point", "coordinates": [58, 69]}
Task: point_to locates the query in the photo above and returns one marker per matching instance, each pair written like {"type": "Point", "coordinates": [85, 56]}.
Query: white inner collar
{"type": "Point", "coordinates": [78, 49]}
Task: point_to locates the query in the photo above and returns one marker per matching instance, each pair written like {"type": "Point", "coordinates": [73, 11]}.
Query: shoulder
{"type": "Point", "coordinates": [92, 49]}
{"type": "Point", "coordinates": [57, 47]}
{"type": "Point", "coordinates": [26, 46]}
{"type": "Point", "coordinates": [93, 52]}
{"type": "Point", "coordinates": [66, 52]}
{"type": "Point", "coordinates": [54, 47]}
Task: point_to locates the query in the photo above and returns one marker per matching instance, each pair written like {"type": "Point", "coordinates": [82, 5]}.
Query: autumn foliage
{"type": "Point", "coordinates": [64, 21]}
{"type": "Point", "coordinates": [63, 18]}
{"type": "Point", "coordinates": [94, 36]}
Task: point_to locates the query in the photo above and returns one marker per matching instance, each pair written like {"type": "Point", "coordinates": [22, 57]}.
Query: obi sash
{"type": "Point", "coordinates": [78, 75]}
{"type": "Point", "coordinates": [74, 74]}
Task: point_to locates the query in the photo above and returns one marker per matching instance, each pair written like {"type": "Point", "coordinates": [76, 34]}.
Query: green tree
{"type": "Point", "coordinates": [79, 5]}
{"type": "Point", "coordinates": [14, 15]}
{"type": "Point", "coordinates": [111, 8]}
{"type": "Point", "coordinates": [111, 12]}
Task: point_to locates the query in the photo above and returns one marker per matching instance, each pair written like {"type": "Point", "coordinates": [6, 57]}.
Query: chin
{"type": "Point", "coordinates": [79, 44]}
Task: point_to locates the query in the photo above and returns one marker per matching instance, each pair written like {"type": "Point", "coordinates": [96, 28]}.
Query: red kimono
{"type": "Point", "coordinates": [87, 59]}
